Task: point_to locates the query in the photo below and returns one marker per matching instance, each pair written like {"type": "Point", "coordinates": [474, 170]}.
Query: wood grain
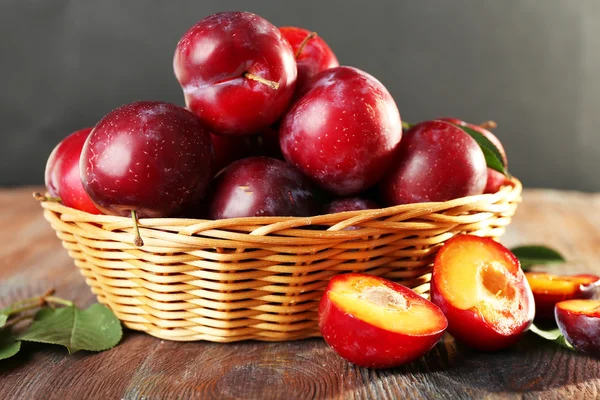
{"type": "Point", "coordinates": [141, 367]}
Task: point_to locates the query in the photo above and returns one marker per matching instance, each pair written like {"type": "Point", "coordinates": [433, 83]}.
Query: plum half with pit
{"type": "Point", "coordinates": [260, 186]}
{"type": "Point", "coordinates": [237, 72]}
{"type": "Point", "coordinates": [437, 161]}
{"type": "Point", "coordinates": [343, 132]}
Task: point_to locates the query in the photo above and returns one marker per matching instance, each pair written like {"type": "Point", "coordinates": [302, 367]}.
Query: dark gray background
{"type": "Point", "coordinates": [533, 66]}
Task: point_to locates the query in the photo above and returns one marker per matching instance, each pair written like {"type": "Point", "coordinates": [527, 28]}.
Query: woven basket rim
{"type": "Point", "coordinates": [347, 218]}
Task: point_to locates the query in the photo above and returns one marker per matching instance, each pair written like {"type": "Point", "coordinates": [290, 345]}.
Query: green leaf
{"type": "Point", "coordinates": [3, 318]}
{"type": "Point", "coordinates": [536, 255]}
{"type": "Point", "coordinates": [493, 157]}
{"type": "Point", "coordinates": [493, 162]}
{"type": "Point", "coordinates": [9, 346]}
{"type": "Point", "coordinates": [553, 335]}
{"type": "Point", "coordinates": [95, 328]}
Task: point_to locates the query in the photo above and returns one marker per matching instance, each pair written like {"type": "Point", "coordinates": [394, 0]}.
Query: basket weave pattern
{"type": "Point", "coordinates": [262, 277]}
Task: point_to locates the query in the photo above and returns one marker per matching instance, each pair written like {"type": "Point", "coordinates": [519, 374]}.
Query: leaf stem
{"type": "Point", "coordinates": [58, 300]}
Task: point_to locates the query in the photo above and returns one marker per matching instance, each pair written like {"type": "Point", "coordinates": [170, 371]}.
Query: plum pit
{"type": "Point", "coordinates": [384, 297]}
{"type": "Point", "coordinates": [497, 295]}
{"type": "Point", "coordinates": [495, 282]}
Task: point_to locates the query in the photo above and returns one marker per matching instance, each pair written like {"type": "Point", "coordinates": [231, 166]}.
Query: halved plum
{"type": "Point", "coordinates": [549, 289]}
{"type": "Point", "coordinates": [376, 323]}
{"type": "Point", "coordinates": [579, 322]}
{"type": "Point", "coordinates": [480, 287]}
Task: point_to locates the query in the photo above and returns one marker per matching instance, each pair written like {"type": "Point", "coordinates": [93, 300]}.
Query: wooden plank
{"type": "Point", "coordinates": [32, 260]}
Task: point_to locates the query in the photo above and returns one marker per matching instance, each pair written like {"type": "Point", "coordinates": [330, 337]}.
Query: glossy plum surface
{"type": "Point", "coordinates": [211, 62]}
{"type": "Point", "coordinates": [480, 287]}
{"type": "Point", "coordinates": [232, 148]}
{"type": "Point", "coordinates": [549, 289]}
{"type": "Point", "coordinates": [350, 204]}
{"type": "Point", "coordinates": [344, 132]}
{"type": "Point", "coordinates": [312, 54]}
{"type": "Point", "coordinates": [579, 322]}
{"type": "Point", "coordinates": [495, 179]}
{"type": "Point", "coordinates": [437, 161]}
{"type": "Point", "coordinates": [260, 186]}
{"type": "Point", "coordinates": [152, 157]}
{"type": "Point", "coordinates": [376, 323]}
{"type": "Point", "coordinates": [62, 173]}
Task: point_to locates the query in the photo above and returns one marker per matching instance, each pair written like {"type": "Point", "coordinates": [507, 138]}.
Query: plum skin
{"type": "Point", "coordinates": [260, 186]}
{"type": "Point", "coordinates": [151, 157]}
{"type": "Point", "coordinates": [316, 56]}
{"type": "Point", "coordinates": [470, 328]}
{"type": "Point", "coordinates": [350, 204]}
{"type": "Point", "coordinates": [436, 162]}
{"type": "Point", "coordinates": [367, 345]}
{"type": "Point", "coordinates": [232, 148]}
{"type": "Point", "coordinates": [343, 132]}
{"type": "Point", "coordinates": [211, 61]}
{"type": "Point", "coordinates": [495, 179]}
{"type": "Point", "coordinates": [62, 173]}
{"type": "Point", "coordinates": [581, 331]}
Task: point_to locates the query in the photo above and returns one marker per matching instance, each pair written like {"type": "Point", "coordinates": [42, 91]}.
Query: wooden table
{"type": "Point", "coordinates": [143, 367]}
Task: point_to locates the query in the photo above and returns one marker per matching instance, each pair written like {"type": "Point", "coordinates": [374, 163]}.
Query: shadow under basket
{"type": "Point", "coordinates": [262, 277]}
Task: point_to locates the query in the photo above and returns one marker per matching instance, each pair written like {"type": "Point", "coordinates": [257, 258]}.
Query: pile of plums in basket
{"type": "Point", "coordinates": [273, 126]}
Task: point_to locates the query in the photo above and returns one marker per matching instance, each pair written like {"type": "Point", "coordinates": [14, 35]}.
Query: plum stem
{"type": "Point", "coordinates": [310, 36]}
{"type": "Point", "coordinates": [40, 197]}
{"type": "Point", "coordinates": [137, 240]}
{"type": "Point", "coordinates": [273, 85]}
{"type": "Point", "coordinates": [488, 125]}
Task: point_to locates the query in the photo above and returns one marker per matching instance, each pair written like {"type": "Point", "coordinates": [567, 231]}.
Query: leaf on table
{"type": "Point", "coordinates": [536, 255]}
{"type": "Point", "coordinates": [553, 335]}
{"type": "Point", "coordinates": [3, 318]}
{"type": "Point", "coordinates": [493, 157]}
{"type": "Point", "coordinates": [95, 328]}
{"type": "Point", "coordinates": [9, 346]}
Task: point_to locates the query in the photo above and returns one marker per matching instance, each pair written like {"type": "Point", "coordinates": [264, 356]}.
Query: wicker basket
{"type": "Point", "coordinates": [260, 278]}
